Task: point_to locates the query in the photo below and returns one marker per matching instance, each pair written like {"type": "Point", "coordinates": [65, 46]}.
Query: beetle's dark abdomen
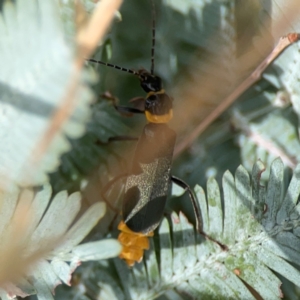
{"type": "Point", "coordinates": [149, 180]}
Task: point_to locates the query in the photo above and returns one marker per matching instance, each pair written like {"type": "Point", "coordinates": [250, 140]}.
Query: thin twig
{"type": "Point", "coordinates": [283, 43]}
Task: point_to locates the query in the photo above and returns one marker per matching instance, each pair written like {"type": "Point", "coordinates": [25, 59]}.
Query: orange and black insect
{"type": "Point", "coordinates": [149, 180]}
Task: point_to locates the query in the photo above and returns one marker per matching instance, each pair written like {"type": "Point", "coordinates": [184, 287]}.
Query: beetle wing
{"type": "Point", "coordinates": [148, 184]}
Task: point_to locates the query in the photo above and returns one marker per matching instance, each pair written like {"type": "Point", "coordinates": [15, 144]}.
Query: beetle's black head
{"type": "Point", "coordinates": [149, 82]}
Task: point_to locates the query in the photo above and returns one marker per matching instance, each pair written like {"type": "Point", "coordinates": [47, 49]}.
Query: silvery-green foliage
{"type": "Point", "coordinates": [38, 78]}
{"type": "Point", "coordinates": [92, 149]}
{"type": "Point", "coordinates": [266, 117]}
{"type": "Point", "coordinates": [52, 233]}
{"type": "Point", "coordinates": [259, 225]}
{"type": "Point", "coordinates": [259, 237]}
{"type": "Point", "coordinates": [266, 131]}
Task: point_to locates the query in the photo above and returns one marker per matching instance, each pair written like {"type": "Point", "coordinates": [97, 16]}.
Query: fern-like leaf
{"type": "Point", "coordinates": [40, 247]}
{"type": "Point", "coordinates": [38, 77]}
{"type": "Point", "coordinates": [259, 225]}
{"type": "Point", "coordinates": [86, 154]}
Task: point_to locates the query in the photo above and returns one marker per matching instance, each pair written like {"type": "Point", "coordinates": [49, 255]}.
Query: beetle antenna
{"type": "Point", "coordinates": [113, 66]}
{"type": "Point", "coordinates": [153, 38]}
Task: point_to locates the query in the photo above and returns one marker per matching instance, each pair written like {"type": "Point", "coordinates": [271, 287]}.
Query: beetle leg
{"type": "Point", "coordinates": [196, 208]}
{"type": "Point", "coordinates": [107, 187]}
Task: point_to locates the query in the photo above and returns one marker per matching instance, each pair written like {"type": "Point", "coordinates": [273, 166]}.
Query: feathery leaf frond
{"type": "Point", "coordinates": [40, 241]}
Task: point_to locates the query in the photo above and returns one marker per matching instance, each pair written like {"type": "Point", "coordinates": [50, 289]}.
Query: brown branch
{"type": "Point", "coordinates": [283, 43]}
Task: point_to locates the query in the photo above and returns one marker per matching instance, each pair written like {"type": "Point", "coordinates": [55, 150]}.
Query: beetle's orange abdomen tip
{"type": "Point", "coordinates": [134, 244]}
{"type": "Point", "coordinates": [131, 255]}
